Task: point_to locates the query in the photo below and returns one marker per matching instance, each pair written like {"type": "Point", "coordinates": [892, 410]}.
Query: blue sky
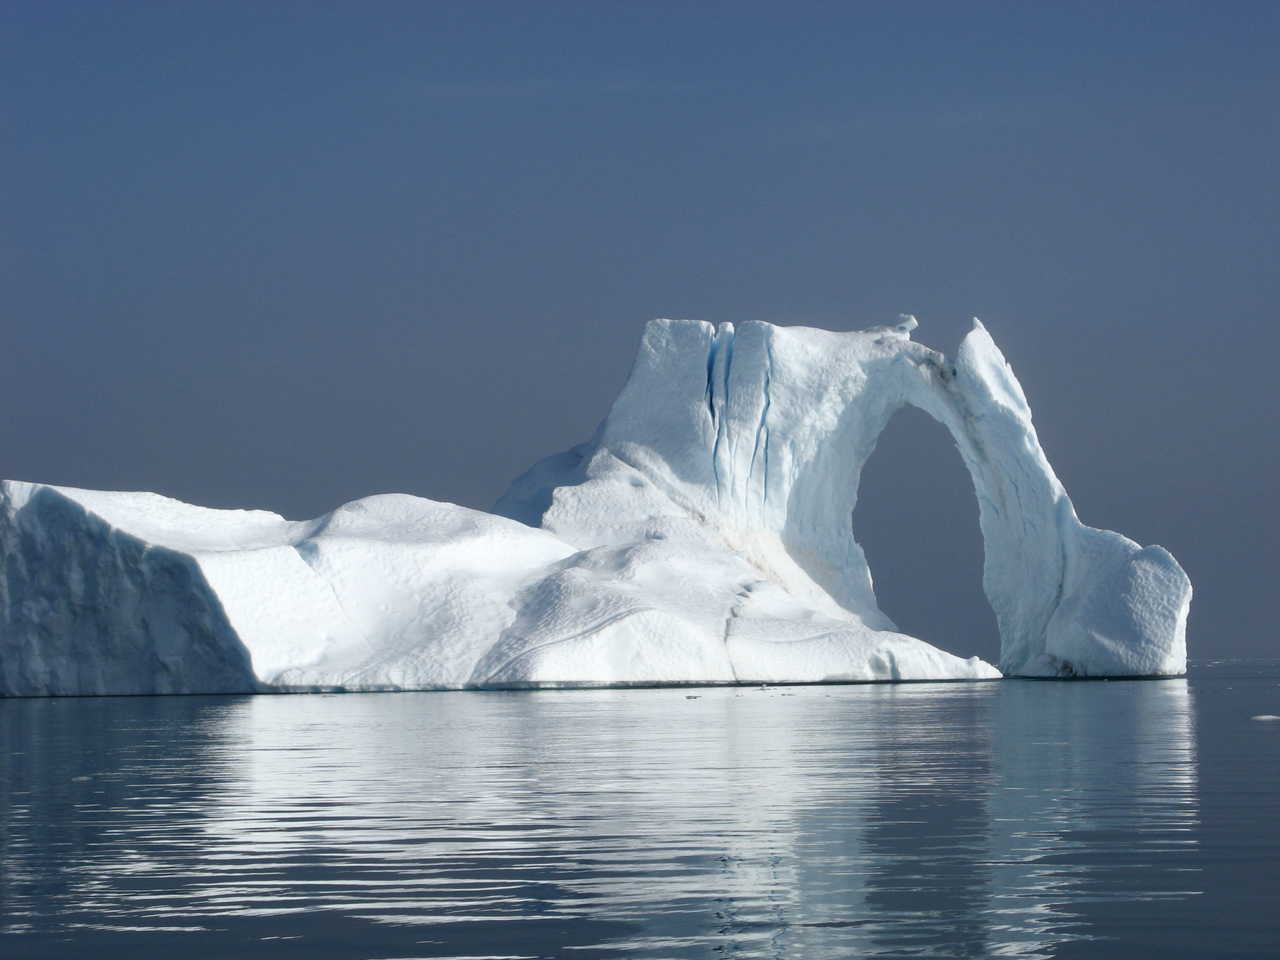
{"type": "Point", "coordinates": [289, 254]}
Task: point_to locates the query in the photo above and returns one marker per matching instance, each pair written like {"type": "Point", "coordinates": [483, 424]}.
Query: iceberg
{"type": "Point", "coordinates": [703, 535]}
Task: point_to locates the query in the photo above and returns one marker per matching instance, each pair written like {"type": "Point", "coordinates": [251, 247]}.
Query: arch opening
{"type": "Point", "coordinates": [916, 519]}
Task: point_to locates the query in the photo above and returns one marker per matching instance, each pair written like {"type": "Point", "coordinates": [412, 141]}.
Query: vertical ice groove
{"type": "Point", "coordinates": [710, 393]}
{"type": "Point", "coordinates": [767, 434]}
{"type": "Point", "coordinates": [762, 427]}
{"type": "Point", "coordinates": [724, 341]}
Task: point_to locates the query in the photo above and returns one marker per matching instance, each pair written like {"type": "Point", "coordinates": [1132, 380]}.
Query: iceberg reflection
{"type": "Point", "coordinates": [1096, 799]}
{"type": "Point", "coordinates": [1013, 818]}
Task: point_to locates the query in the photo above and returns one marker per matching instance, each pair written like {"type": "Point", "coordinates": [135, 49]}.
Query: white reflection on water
{"type": "Point", "coordinates": [933, 820]}
{"type": "Point", "coordinates": [1095, 797]}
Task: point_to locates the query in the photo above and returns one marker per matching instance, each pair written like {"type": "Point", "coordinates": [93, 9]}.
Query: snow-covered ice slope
{"type": "Point", "coordinates": [702, 536]}
{"type": "Point", "coordinates": [108, 593]}
{"type": "Point", "coordinates": [137, 593]}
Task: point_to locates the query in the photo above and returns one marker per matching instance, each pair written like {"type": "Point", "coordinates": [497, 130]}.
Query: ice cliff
{"type": "Point", "coordinates": [703, 535]}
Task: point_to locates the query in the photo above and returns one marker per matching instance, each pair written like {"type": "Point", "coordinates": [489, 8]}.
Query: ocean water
{"type": "Point", "coordinates": [1000, 819]}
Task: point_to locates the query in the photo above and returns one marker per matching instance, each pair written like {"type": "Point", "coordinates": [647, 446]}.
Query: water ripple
{"type": "Point", "coordinates": [1010, 819]}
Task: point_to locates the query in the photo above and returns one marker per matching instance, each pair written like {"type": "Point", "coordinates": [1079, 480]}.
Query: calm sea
{"type": "Point", "coordinates": [1013, 819]}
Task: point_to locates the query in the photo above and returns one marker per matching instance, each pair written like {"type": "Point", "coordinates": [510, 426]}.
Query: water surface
{"type": "Point", "coordinates": [1014, 818]}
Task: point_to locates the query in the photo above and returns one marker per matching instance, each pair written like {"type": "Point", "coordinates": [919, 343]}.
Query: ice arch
{"type": "Point", "coordinates": [755, 436]}
{"type": "Point", "coordinates": [917, 521]}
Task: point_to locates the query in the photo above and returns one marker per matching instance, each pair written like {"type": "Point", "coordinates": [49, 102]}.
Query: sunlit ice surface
{"type": "Point", "coordinates": [1019, 818]}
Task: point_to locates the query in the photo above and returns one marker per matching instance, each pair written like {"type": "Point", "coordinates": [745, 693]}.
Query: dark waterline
{"type": "Point", "coordinates": [975, 819]}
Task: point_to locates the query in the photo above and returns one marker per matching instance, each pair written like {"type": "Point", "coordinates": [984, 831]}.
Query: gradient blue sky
{"type": "Point", "coordinates": [288, 254]}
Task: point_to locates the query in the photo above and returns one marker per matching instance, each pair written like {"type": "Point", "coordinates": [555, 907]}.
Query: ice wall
{"type": "Point", "coordinates": [87, 608]}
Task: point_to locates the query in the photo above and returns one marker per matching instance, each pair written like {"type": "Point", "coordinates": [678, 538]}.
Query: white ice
{"type": "Point", "coordinates": [704, 535]}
